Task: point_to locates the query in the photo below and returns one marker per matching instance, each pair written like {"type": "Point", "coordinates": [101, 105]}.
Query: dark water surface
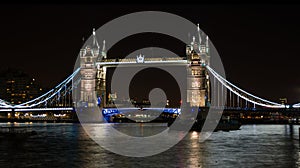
{"type": "Point", "coordinates": [67, 145]}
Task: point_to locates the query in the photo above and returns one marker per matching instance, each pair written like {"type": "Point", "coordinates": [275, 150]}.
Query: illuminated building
{"type": "Point", "coordinates": [88, 70]}
{"type": "Point", "coordinates": [198, 91]}
{"type": "Point", "coordinates": [17, 87]}
{"type": "Point", "coordinates": [93, 77]}
{"type": "Point", "coordinates": [283, 101]}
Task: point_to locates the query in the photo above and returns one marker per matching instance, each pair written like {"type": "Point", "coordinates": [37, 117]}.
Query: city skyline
{"type": "Point", "coordinates": [258, 45]}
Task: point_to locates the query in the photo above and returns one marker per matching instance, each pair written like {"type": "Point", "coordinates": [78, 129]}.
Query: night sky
{"type": "Point", "coordinates": [258, 43]}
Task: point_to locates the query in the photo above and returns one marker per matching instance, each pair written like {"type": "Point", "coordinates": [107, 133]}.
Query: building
{"type": "Point", "coordinates": [198, 91]}
{"type": "Point", "coordinates": [283, 101]}
{"type": "Point", "coordinates": [17, 87]}
{"type": "Point", "coordinates": [88, 71]}
{"type": "Point", "coordinates": [93, 78]}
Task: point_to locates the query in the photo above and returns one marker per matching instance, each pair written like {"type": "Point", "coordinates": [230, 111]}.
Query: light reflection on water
{"type": "Point", "coordinates": [67, 145]}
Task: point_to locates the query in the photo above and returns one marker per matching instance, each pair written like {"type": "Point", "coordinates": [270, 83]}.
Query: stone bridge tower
{"type": "Point", "coordinates": [198, 85]}
{"type": "Point", "coordinates": [88, 71]}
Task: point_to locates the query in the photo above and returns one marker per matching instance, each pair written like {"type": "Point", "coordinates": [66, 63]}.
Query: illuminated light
{"type": "Point", "coordinates": [6, 110]}
{"type": "Point", "coordinates": [194, 135]}
{"type": "Point", "coordinates": [47, 109]}
{"type": "Point", "coordinates": [59, 115]}
{"type": "Point", "coordinates": [39, 116]}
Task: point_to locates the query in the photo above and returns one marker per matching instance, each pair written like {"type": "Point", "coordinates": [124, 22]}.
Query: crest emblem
{"type": "Point", "coordinates": [140, 58]}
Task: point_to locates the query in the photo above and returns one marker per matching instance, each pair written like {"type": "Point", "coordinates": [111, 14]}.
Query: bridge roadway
{"type": "Point", "coordinates": [112, 111]}
{"type": "Point", "coordinates": [106, 111]}
{"type": "Point", "coordinates": [282, 116]}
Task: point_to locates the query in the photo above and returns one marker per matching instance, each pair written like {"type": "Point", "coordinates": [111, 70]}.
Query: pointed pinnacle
{"type": "Point", "coordinates": [94, 33]}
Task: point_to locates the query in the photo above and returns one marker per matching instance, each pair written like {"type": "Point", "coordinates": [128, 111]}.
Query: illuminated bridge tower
{"type": "Point", "coordinates": [88, 69]}
{"type": "Point", "coordinates": [101, 78]}
{"type": "Point", "coordinates": [198, 86]}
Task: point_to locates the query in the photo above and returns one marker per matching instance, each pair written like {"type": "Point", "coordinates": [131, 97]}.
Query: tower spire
{"type": "Point", "coordinates": [94, 33]}
{"type": "Point", "coordinates": [193, 40]}
{"type": "Point", "coordinates": [95, 42]}
{"type": "Point", "coordinates": [207, 42]}
{"type": "Point", "coordinates": [207, 48]}
{"type": "Point", "coordinates": [103, 50]}
{"type": "Point", "coordinates": [83, 40]}
{"type": "Point", "coordinates": [199, 34]}
{"type": "Point", "coordinates": [103, 47]}
{"type": "Point", "coordinates": [95, 45]}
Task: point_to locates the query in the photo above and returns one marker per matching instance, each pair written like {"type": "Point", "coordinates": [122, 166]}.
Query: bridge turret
{"type": "Point", "coordinates": [207, 51]}
{"type": "Point", "coordinates": [103, 53]}
{"type": "Point", "coordinates": [93, 77]}
{"type": "Point", "coordinates": [201, 47]}
{"type": "Point", "coordinates": [199, 34]}
{"type": "Point", "coordinates": [101, 78]}
{"type": "Point", "coordinates": [95, 45]}
{"type": "Point", "coordinates": [198, 91]}
{"type": "Point", "coordinates": [88, 72]}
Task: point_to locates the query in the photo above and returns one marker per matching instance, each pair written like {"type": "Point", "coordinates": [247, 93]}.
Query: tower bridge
{"type": "Point", "coordinates": [90, 79]}
{"type": "Point", "coordinates": [197, 57]}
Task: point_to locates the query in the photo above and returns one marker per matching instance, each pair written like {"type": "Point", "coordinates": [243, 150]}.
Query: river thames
{"type": "Point", "coordinates": [67, 145]}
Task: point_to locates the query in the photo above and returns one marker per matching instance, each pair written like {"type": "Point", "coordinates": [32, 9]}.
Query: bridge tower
{"type": "Point", "coordinates": [88, 57]}
{"type": "Point", "coordinates": [198, 86]}
{"type": "Point", "coordinates": [101, 78]}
